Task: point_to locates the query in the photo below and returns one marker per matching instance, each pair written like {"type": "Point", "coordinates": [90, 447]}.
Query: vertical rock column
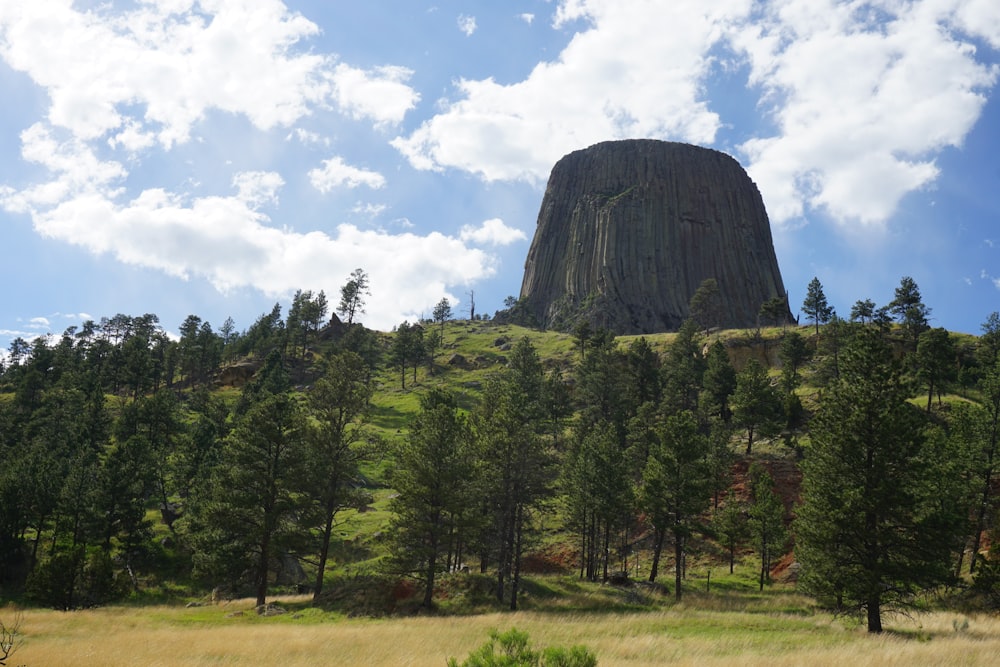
{"type": "Point", "coordinates": [628, 230]}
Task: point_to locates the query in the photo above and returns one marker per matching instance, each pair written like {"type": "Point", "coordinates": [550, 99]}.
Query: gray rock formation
{"type": "Point", "coordinates": [628, 230]}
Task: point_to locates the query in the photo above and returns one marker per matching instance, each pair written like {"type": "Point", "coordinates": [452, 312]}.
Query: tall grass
{"type": "Point", "coordinates": [689, 634]}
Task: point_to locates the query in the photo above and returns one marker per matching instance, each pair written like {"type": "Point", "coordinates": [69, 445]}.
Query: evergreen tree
{"type": "Point", "coordinates": [977, 427]}
{"type": "Point", "coordinates": [352, 296]}
{"type": "Point", "coordinates": [676, 487]}
{"type": "Point", "coordinates": [598, 492]}
{"type": "Point", "coordinates": [909, 310]}
{"type": "Point", "coordinates": [434, 478]}
{"type": "Point", "coordinates": [863, 311]}
{"type": "Point", "coordinates": [874, 526]}
{"type": "Point", "coordinates": [508, 426]}
{"type": "Point", "coordinates": [683, 369]}
{"type": "Point", "coordinates": [757, 408]}
{"type": "Point", "coordinates": [442, 313]}
{"type": "Point", "coordinates": [705, 306]}
{"type": "Point", "coordinates": [936, 361]}
{"type": "Point", "coordinates": [337, 445]}
{"type": "Point", "coordinates": [767, 519]}
{"type": "Point", "coordinates": [719, 382]}
{"type": "Point", "coordinates": [247, 514]}
{"type": "Point", "coordinates": [731, 526]}
{"type": "Point", "coordinates": [815, 306]}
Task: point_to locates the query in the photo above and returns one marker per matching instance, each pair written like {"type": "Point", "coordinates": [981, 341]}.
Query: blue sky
{"type": "Point", "coordinates": [211, 157]}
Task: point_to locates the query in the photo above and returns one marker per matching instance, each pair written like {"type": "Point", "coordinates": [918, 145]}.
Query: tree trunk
{"type": "Point", "coordinates": [324, 553]}
{"type": "Point", "coordinates": [984, 504]}
{"type": "Point", "coordinates": [262, 568]}
{"type": "Point", "coordinates": [515, 579]}
{"type": "Point", "coordinates": [654, 569]}
{"type": "Point", "coordinates": [607, 547]}
{"type": "Point", "coordinates": [431, 567]}
{"type": "Point", "coordinates": [678, 564]}
{"type": "Point", "coordinates": [763, 561]}
{"type": "Point", "coordinates": [874, 614]}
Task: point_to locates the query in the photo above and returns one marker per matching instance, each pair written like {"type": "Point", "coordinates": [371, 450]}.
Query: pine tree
{"type": "Point", "coordinates": [338, 443]}
{"type": "Point", "coordinates": [879, 519]}
{"type": "Point", "coordinates": [767, 519]}
{"type": "Point", "coordinates": [676, 487]}
{"type": "Point", "coordinates": [757, 408]}
{"type": "Point", "coordinates": [731, 526]}
{"type": "Point", "coordinates": [434, 476]}
{"type": "Point", "coordinates": [815, 305]}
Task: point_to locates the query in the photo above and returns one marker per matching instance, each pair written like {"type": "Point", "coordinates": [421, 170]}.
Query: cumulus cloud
{"type": "Point", "coordinates": [862, 107]}
{"type": "Point", "coordinates": [335, 173]}
{"type": "Point", "coordinates": [634, 71]}
{"type": "Point", "coordinates": [176, 62]}
{"type": "Point", "coordinates": [228, 241]}
{"type": "Point", "coordinates": [467, 24]}
{"type": "Point", "coordinates": [862, 95]}
{"type": "Point", "coordinates": [526, 17]}
{"type": "Point", "coordinates": [492, 232]}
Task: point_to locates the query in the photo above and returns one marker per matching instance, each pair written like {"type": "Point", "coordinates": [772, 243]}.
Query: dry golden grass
{"type": "Point", "coordinates": [199, 637]}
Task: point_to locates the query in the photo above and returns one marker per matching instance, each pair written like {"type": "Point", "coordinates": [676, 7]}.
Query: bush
{"type": "Point", "coordinates": [514, 651]}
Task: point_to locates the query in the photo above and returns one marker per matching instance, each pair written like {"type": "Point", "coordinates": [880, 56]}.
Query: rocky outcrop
{"type": "Point", "coordinates": [628, 230]}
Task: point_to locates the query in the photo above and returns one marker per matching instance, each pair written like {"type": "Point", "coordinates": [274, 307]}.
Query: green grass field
{"type": "Point", "coordinates": [732, 625]}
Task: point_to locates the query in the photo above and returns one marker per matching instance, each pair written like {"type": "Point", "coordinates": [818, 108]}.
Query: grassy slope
{"type": "Point", "coordinates": [637, 625]}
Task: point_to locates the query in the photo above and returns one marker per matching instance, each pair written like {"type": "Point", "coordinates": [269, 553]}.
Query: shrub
{"type": "Point", "coordinates": [511, 649]}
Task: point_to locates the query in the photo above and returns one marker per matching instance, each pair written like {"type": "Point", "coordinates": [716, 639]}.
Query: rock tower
{"type": "Point", "coordinates": [628, 230]}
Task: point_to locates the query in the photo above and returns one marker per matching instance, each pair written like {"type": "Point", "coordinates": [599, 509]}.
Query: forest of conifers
{"type": "Point", "coordinates": [129, 469]}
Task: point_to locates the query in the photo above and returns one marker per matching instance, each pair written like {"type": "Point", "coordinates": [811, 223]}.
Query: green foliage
{"type": "Point", "coordinates": [935, 359]}
{"type": "Point", "coordinates": [757, 407]}
{"type": "Point", "coordinates": [881, 512]}
{"type": "Point", "coordinates": [909, 310]}
{"type": "Point", "coordinates": [676, 485]}
{"type": "Point", "coordinates": [683, 369]}
{"type": "Point", "coordinates": [436, 478]}
{"type": "Point", "coordinates": [705, 307]}
{"type": "Point", "coordinates": [731, 525]}
{"type": "Point", "coordinates": [719, 382]}
{"type": "Point", "coordinates": [352, 295]}
{"type": "Point", "coordinates": [512, 649]}
{"type": "Point", "coordinates": [766, 519]}
{"type": "Point", "coordinates": [815, 305]}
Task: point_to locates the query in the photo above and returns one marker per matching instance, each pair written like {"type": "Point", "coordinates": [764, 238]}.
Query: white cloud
{"type": "Point", "coordinates": [257, 188]}
{"type": "Point", "coordinates": [526, 17]}
{"type": "Point", "coordinates": [175, 61]}
{"type": "Point", "coordinates": [229, 242]}
{"type": "Point", "coordinates": [862, 107]}
{"type": "Point", "coordinates": [39, 323]}
{"type": "Point", "coordinates": [863, 95]}
{"type": "Point", "coordinates": [335, 173]}
{"type": "Point", "coordinates": [308, 138]}
{"type": "Point", "coordinates": [380, 94]}
{"type": "Point", "coordinates": [491, 232]}
{"type": "Point", "coordinates": [636, 71]}
{"type": "Point", "coordinates": [370, 210]}
{"type": "Point", "coordinates": [467, 24]}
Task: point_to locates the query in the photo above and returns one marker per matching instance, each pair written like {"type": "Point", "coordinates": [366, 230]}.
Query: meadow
{"type": "Point", "coordinates": [630, 628]}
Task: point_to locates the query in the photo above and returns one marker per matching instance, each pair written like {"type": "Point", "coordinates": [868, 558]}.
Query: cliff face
{"type": "Point", "coordinates": [628, 230]}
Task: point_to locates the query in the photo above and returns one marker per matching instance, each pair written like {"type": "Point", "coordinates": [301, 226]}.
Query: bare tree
{"type": "Point", "coordinates": [10, 638]}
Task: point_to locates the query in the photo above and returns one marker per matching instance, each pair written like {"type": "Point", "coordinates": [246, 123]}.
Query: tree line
{"type": "Point", "coordinates": [632, 449]}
